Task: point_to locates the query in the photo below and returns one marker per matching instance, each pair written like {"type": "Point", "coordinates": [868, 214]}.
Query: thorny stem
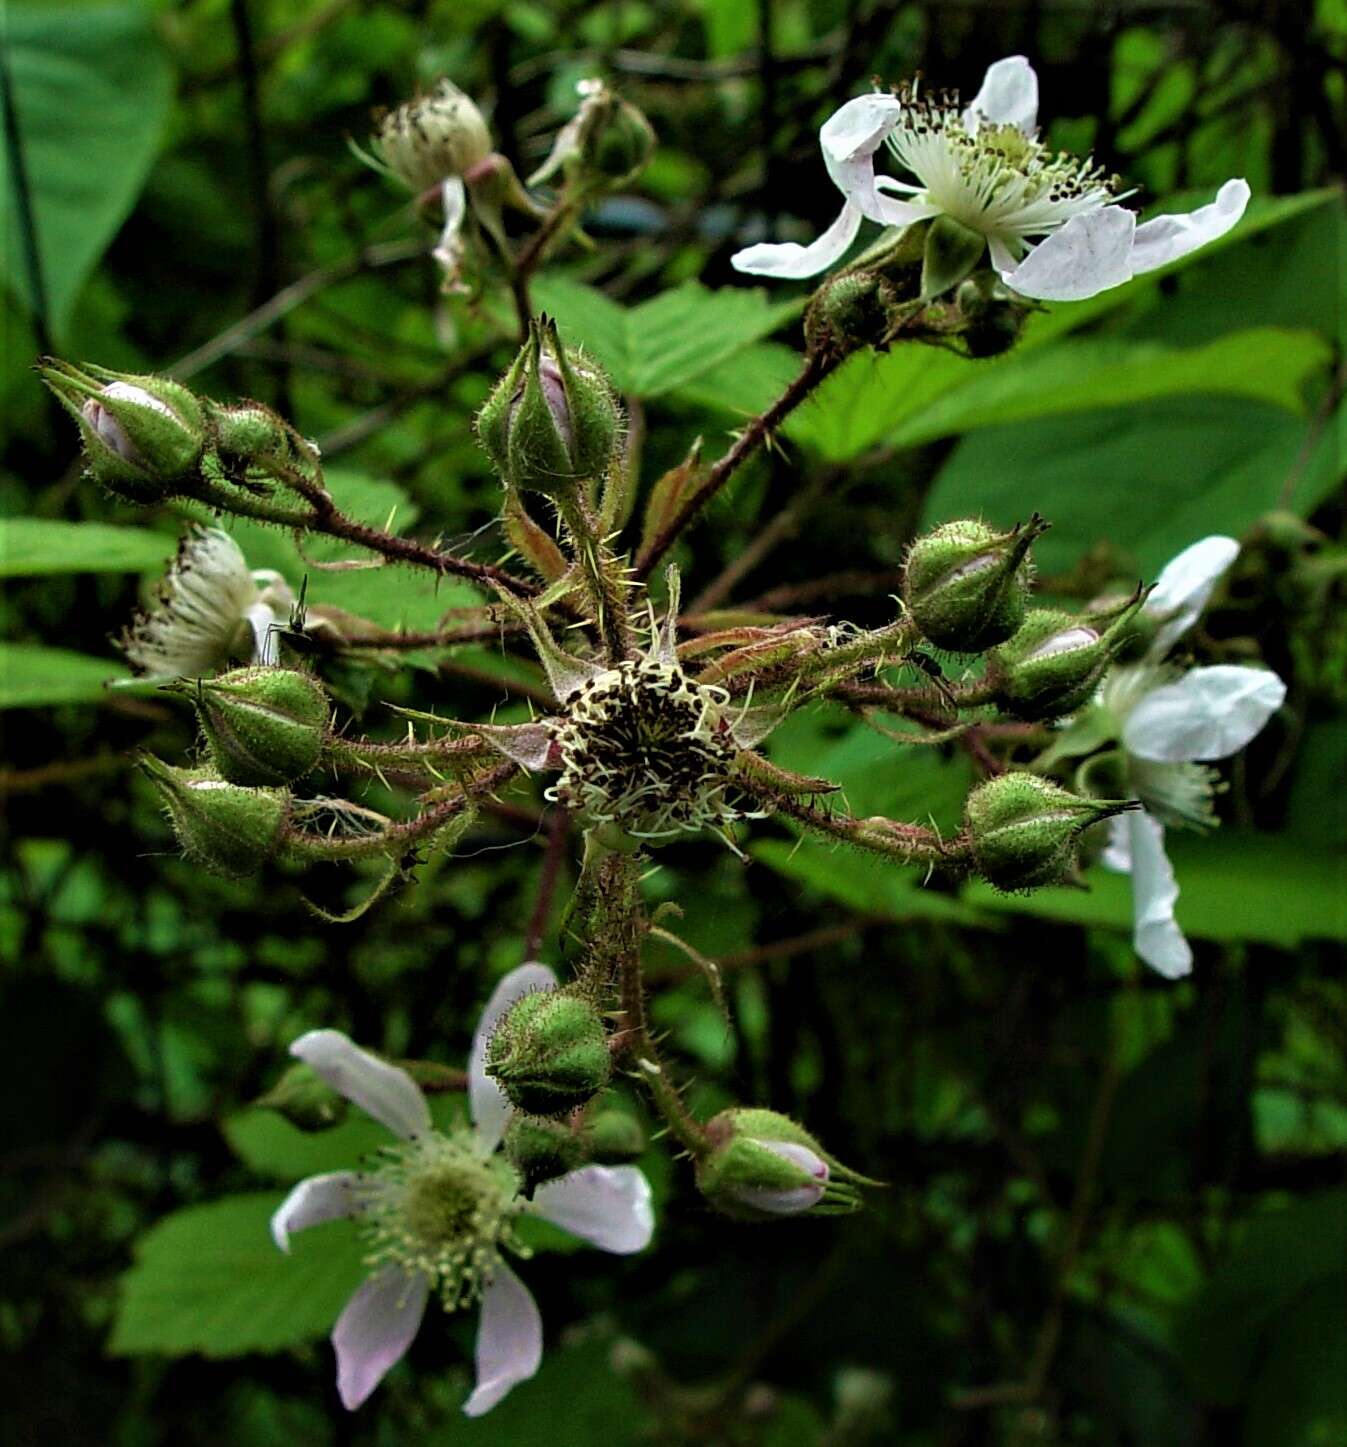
{"type": "Point", "coordinates": [598, 567]}
{"type": "Point", "coordinates": [912, 843]}
{"type": "Point", "coordinates": [817, 366]}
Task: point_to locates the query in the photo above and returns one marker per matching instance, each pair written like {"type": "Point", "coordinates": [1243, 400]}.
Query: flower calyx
{"type": "Point", "coordinates": [605, 145]}
{"type": "Point", "coordinates": [263, 726]}
{"type": "Point", "coordinates": [141, 434]}
{"type": "Point", "coordinates": [761, 1166]}
{"type": "Point", "coordinates": [552, 422]}
{"type": "Point", "coordinates": [967, 586]}
{"type": "Point", "coordinates": [549, 1053]}
{"type": "Point", "coordinates": [1025, 828]}
{"type": "Point", "coordinates": [1056, 660]}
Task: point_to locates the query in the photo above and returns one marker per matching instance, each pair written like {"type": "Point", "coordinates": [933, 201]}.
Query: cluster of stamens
{"type": "Point", "coordinates": [992, 178]}
{"type": "Point", "coordinates": [434, 1206]}
{"type": "Point", "coordinates": [646, 749]}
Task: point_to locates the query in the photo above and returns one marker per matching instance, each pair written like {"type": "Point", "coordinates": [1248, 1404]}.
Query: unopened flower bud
{"type": "Point", "coordinates": [762, 1165]}
{"type": "Point", "coordinates": [849, 311]}
{"type": "Point", "coordinates": [141, 434]}
{"type": "Point", "coordinates": [1025, 829]}
{"type": "Point", "coordinates": [226, 828]}
{"type": "Point", "coordinates": [993, 317]}
{"type": "Point", "coordinates": [967, 586]}
{"type": "Point", "coordinates": [552, 421]}
{"type": "Point", "coordinates": [606, 144]}
{"type": "Point", "coordinates": [262, 725]}
{"type": "Point", "coordinates": [541, 1150]}
{"type": "Point", "coordinates": [613, 1138]}
{"type": "Point", "coordinates": [550, 1053]}
{"type": "Point", "coordinates": [1056, 660]}
{"type": "Point", "coordinates": [432, 138]}
{"type": "Point", "coordinates": [305, 1100]}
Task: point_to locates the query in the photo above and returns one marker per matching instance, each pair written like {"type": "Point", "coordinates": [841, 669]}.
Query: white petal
{"type": "Point", "coordinates": [1167, 238]}
{"type": "Point", "coordinates": [1209, 713]}
{"type": "Point", "coordinates": [1090, 254]}
{"type": "Point", "coordinates": [266, 647]}
{"type": "Point", "coordinates": [1156, 935]}
{"type": "Point", "coordinates": [1181, 592]}
{"type": "Point", "coordinates": [509, 1340]}
{"type": "Point", "coordinates": [314, 1200]}
{"type": "Point", "coordinates": [1117, 854]}
{"type": "Point", "coordinates": [374, 1330]}
{"type": "Point", "coordinates": [849, 138]}
{"type": "Point", "coordinates": [608, 1206]}
{"type": "Point", "coordinates": [449, 250]}
{"type": "Point", "coordinates": [381, 1090]}
{"type": "Point", "coordinates": [791, 1200]}
{"type": "Point", "coordinates": [486, 1100]}
{"type": "Point", "coordinates": [790, 261]}
{"type": "Point", "coordinates": [1009, 96]}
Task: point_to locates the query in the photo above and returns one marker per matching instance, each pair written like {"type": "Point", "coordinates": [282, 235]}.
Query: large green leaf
{"type": "Point", "coordinates": [32, 676]}
{"type": "Point", "coordinates": [667, 341]}
{"type": "Point", "coordinates": [91, 89]}
{"type": "Point", "coordinates": [33, 546]}
{"type": "Point", "coordinates": [209, 1279]}
{"type": "Point", "coordinates": [1233, 885]}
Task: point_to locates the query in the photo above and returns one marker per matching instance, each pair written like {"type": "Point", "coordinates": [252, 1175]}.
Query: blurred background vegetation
{"type": "Point", "coordinates": [1117, 1207]}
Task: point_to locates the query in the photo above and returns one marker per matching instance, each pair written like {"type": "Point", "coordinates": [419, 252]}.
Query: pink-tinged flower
{"type": "Point", "coordinates": [1050, 222]}
{"type": "Point", "coordinates": [441, 1212]}
{"type": "Point", "coordinates": [1171, 724]}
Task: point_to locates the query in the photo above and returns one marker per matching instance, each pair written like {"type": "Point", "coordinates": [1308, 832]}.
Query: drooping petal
{"type": "Point", "coordinates": [314, 1200]}
{"type": "Point", "coordinates": [789, 261]}
{"type": "Point", "coordinates": [450, 250]}
{"type": "Point", "coordinates": [1183, 588]}
{"type": "Point", "coordinates": [1209, 713]}
{"type": "Point", "coordinates": [1009, 97]}
{"type": "Point", "coordinates": [381, 1090]}
{"type": "Point", "coordinates": [849, 139]}
{"type": "Point", "coordinates": [608, 1206]}
{"type": "Point", "coordinates": [1117, 854]}
{"type": "Point", "coordinates": [509, 1340]}
{"type": "Point", "coordinates": [375, 1329]}
{"type": "Point", "coordinates": [1090, 254]}
{"type": "Point", "coordinates": [262, 621]}
{"type": "Point", "coordinates": [1156, 935]}
{"type": "Point", "coordinates": [1167, 238]}
{"type": "Point", "coordinates": [486, 1100]}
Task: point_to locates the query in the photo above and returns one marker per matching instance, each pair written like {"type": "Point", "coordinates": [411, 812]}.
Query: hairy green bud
{"type": "Point", "coordinates": [141, 434]}
{"type": "Point", "coordinates": [993, 318]}
{"type": "Point", "coordinates": [849, 311]}
{"type": "Point", "coordinates": [1025, 829]}
{"type": "Point", "coordinates": [613, 1137]}
{"type": "Point", "coordinates": [228, 829]}
{"type": "Point", "coordinates": [541, 1150]}
{"type": "Point", "coordinates": [1056, 660]}
{"type": "Point", "coordinates": [762, 1166]}
{"type": "Point", "coordinates": [967, 586]}
{"type": "Point", "coordinates": [262, 725]}
{"type": "Point", "coordinates": [549, 1053]}
{"type": "Point", "coordinates": [305, 1099]}
{"type": "Point", "coordinates": [552, 422]}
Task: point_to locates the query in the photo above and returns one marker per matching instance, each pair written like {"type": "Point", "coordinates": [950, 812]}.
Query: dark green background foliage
{"type": "Point", "coordinates": [1116, 1208]}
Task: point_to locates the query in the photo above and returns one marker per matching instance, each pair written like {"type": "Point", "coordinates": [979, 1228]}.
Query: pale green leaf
{"type": "Point", "coordinates": [91, 87]}
{"type": "Point", "coordinates": [210, 1279]}
{"type": "Point", "coordinates": [33, 676]}
{"type": "Point", "coordinates": [33, 546]}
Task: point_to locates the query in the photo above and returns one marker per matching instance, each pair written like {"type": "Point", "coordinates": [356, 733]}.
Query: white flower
{"type": "Point", "coordinates": [1170, 725]}
{"type": "Point", "coordinates": [1049, 220]}
{"type": "Point", "coordinates": [443, 1208]}
{"type": "Point", "coordinates": [209, 608]}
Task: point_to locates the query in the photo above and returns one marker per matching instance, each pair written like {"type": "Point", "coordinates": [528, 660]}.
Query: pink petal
{"type": "Point", "coordinates": [509, 1340]}
{"type": "Point", "coordinates": [375, 1329]}
{"type": "Point", "coordinates": [314, 1200]}
{"type": "Point", "coordinates": [608, 1206]}
{"type": "Point", "coordinates": [382, 1091]}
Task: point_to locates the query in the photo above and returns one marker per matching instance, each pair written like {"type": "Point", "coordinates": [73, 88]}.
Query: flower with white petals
{"type": "Point", "coordinates": [441, 1210]}
{"type": "Point", "coordinates": [1050, 221]}
{"type": "Point", "coordinates": [208, 610]}
{"type": "Point", "coordinates": [1171, 724]}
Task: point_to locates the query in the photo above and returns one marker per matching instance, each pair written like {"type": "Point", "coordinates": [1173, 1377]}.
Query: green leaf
{"type": "Point", "coordinates": [667, 341]}
{"type": "Point", "coordinates": [91, 89]}
{"type": "Point", "coordinates": [30, 547]}
{"type": "Point", "coordinates": [209, 1279]}
{"type": "Point", "coordinates": [32, 676]}
{"type": "Point", "coordinates": [1233, 885]}
{"type": "Point", "coordinates": [746, 383]}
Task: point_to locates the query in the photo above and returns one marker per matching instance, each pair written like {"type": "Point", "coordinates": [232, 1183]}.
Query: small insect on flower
{"type": "Point", "coordinates": [209, 610]}
{"type": "Point", "coordinates": [1049, 221]}
{"type": "Point", "coordinates": [441, 1208]}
